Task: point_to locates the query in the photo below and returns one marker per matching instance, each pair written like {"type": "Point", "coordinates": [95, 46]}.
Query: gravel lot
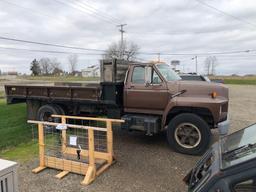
{"type": "Point", "coordinates": [143, 163]}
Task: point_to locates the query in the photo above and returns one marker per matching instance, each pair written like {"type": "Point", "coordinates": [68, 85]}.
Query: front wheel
{"type": "Point", "coordinates": [189, 134]}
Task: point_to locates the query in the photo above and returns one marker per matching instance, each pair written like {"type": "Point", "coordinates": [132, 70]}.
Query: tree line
{"type": "Point", "coordinates": [120, 50]}
{"type": "Point", "coordinates": [51, 66]}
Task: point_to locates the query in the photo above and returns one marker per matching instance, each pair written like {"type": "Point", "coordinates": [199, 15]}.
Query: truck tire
{"type": "Point", "coordinates": [189, 134]}
{"type": "Point", "coordinates": [44, 113]}
{"type": "Point", "coordinates": [59, 109]}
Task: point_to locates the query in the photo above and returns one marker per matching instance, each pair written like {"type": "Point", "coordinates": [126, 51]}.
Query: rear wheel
{"type": "Point", "coordinates": [189, 134]}
{"type": "Point", "coordinates": [45, 113]}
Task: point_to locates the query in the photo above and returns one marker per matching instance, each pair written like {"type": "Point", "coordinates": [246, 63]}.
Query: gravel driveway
{"type": "Point", "coordinates": [143, 163]}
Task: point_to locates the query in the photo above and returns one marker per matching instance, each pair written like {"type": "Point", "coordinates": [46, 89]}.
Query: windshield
{"type": "Point", "coordinates": [238, 147]}
{"type": "Point", "coordinates": [167, 72]}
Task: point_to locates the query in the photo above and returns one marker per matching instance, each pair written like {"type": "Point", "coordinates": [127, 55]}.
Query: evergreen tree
{"type": "Point", "coordinates": [35, 68]}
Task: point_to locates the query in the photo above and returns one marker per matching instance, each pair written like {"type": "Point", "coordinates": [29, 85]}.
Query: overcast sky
{"type": "Point", "coordinates": [176, 26]}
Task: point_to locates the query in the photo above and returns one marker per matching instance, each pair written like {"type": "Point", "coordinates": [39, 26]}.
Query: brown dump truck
{"type": "Point", "coordinates": [149, 97]}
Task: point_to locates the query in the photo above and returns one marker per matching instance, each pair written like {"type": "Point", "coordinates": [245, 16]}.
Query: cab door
{"type": "Point", "coordinates": [144, 96]}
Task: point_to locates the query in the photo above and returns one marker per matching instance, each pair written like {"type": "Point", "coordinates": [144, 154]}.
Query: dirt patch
{"type": "Point", "coordinates": [143, 163]}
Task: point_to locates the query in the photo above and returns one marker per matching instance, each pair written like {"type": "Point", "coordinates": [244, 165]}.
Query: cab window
{"type": "Point", "coordinates": [155, 78]}
{"type": "Point", "coordinates": [138, 76]}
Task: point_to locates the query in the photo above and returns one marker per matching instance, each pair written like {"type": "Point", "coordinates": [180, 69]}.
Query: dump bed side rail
{"type": "Point", "coordinates": [20, 93]}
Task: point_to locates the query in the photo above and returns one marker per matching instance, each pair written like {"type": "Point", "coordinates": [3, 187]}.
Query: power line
{"type": "Point", "coordinates": [47, 51]}
{"type": "Point", "coordinates": [93, 12]}
{"type": "Point", "coordinates": [173, 33]}
{"type": "Point", "coordinates": [192, 54]}
{"type": "Point", "coordinates": [82, 10]}
{"type": "Point", "coordinates": [32, 11]}
{"type": "Point", "coordinates": [143, 53]}
{"type": "Point", "coordinates": [89, 54]}
{"type": "Point", "coordinates": [49, 44]}
{"type": "Point", "coordinates": [102, 13]}
{"type": "Point", "coordinates": [226, 14]}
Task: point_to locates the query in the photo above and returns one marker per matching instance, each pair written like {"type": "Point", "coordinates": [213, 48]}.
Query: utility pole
{"type": "Point", "coordinates": [122, 31]}
{"type": "Point", "coordinates": [158, 57]}
{"type": "Point", "coordinates": [195, 58]}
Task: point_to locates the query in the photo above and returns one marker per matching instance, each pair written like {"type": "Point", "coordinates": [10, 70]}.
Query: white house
{"type": "Point", "coordinates": [91, 71]}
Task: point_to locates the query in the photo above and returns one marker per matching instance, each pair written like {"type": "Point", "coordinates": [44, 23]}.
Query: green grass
{"type": "Point", "coordinates": [22, 152]}
{"type": "Point", "coordinates": [14, 131]}
{"type": "Point", "coordinates": [239, 80]}
{"type": "Point", "coordinates": [2, 94]}
{"type": "Point", "coordinates": [60, 78]}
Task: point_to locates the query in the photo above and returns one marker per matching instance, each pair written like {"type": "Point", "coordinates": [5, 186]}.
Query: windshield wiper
{"type": "Point", "coordinates": [238, 152]}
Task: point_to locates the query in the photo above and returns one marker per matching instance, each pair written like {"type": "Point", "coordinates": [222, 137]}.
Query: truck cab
{"type": "Point", "coordinates": [228, 166]}
{"type": "Point", "coordinates": [155, 99]}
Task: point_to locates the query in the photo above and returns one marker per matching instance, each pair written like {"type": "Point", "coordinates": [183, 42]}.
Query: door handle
{"type": "Point", "coordinates": [131, 86]}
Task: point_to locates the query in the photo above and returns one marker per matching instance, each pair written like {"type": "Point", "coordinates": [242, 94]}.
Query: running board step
{"type": "Point", "coordinates": [148, 123]}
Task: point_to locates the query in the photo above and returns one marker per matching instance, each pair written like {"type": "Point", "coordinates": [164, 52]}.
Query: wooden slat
{"type": "Point", "coordinates": [110, 142]}
{"type": "Point", "coordinates": [68, 125]}
{"type": "Point", "coordinates": [90, 175]}
{"type": "Point", "coordinates": [38, 169]}
{"type": "Point", "coordinates": [85, 153]}
{"type": "Point", "coordinates": [102, 169]}
{"type": "Point", "coordinates": [41, 144]}
{"type": "Point", "coordinates": [90, 118]}
{"type": "Point", "coordinates": [66, 165]}
{"type": "Point", "coordinates": [64, 135]}
{"type": "Point", "coordinates": [91, 147]}
{"type": "Point", "coordinates": [62, 174]}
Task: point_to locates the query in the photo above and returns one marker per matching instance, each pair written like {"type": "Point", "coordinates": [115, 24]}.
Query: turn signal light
{"type": "Point", "coordinates": [214, 94]}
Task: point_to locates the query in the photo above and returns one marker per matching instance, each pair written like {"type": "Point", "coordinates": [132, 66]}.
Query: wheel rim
{"type": "Point", "coordinates": [187, 135]}
{"type": "Point", "coordinates": [46, 116]}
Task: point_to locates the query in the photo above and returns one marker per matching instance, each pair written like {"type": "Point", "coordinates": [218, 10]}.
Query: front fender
{"type": "Point", "coordinates": [213, 105]}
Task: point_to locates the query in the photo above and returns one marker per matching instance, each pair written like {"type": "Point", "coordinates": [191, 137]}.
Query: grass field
{"type": "Point", "coordinates": [60, 78]}
{"type": "Point", "coordinates": [2, 94]}
{"type": "Point", "coordinates": [16, 135]}
{"type": "Point", "coordinates": [240, 81]}
{"type": "Point", "coordinates": [22, 152]}
{"type": "Point", "coordinates": [246, 80]}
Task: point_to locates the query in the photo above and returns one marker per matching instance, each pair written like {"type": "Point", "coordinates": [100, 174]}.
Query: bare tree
{"type": "Point", "coordinates": [210, 65]}
{"type": "Point", "coordinates": [207, 65]}
{"type": "Point", "coordinates": [45, 64]}
{"type": "Point", "coordinates": [72, 59]}
{"type": "Point", "coordinates": [56, 67]}
{"type": "Point", "coordinates": [125, 50]}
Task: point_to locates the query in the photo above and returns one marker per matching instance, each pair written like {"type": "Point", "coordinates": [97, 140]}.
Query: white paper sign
{"type": "Point", "coordinates": [61, 127]}
{"type": "Point", "coordinates": [73, 140]}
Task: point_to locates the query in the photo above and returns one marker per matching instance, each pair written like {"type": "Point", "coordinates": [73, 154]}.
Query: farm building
{"type": "Point", "coordinates": [91, 71]}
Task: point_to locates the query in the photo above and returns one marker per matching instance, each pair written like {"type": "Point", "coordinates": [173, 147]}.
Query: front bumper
{"type": "Point", "coordinates": [223, 127]}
